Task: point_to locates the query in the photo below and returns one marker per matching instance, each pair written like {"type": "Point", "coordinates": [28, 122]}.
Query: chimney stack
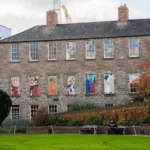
{"type": "Point", "coordinates": [123, 14]}
{"type": "Point", "coordinates": [51, 18]}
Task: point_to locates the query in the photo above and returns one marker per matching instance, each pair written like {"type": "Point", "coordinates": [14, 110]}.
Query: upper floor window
{"type": "Point", "coordinates": [33, 52]}
{"type": "Point", "coordinates": [133, 82]}
{"type": "Point", "coordinates": [133, 48]}
{"type": "Point", "coordinates": [70, 50]}
{"type": "Point", "coordinates": [108, 49]}
{"type": "Point", "coordinates": [52, 51]}
{"type": "Point", "coordinates": [90, 50]}
{"type": "Point", "coordinates": [15, 55]}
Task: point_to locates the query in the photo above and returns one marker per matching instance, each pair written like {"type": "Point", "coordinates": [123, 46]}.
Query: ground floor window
{"type": "Point", "coordinates": [34, 109]}
{"type": "Point", "coordinates": [53, 109]}
{"type": "Point", "coordinates": [109, 105]}
{"type": "Point", "coordinates": [133, 82]}
{"type": "Point", "coordinates": [15, 111]}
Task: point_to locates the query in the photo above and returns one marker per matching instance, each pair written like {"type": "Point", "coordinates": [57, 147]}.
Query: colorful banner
{"type": "Point", "coordinates": [109, 83]}
{"type": "Point", "coordinates": [15, 91]}
{"type": "Point", "coordinates": [70, 89]}
{"type": "Point", "coordinates": [52, 85]}
{"type": "Point", "coordinates": [90, 83]}
{"type": "Point", "coordinates": [34, 85]}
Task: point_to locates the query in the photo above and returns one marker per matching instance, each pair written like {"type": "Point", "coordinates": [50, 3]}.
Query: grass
{"type": "Point", "coordinates": [73, 142]}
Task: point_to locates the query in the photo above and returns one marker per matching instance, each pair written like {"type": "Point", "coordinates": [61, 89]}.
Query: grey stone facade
{"type": "Point", "coordinates": [121, 66]}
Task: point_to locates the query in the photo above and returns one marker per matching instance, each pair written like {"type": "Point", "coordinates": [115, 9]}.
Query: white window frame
{"type": "Point", "coordinates": [30, 58]}
{"type": "Point", "coordinates": [52, 109]}
{"type": "Point", "coordinates": [15, 107]}
{"type": "Point", "coordinates": [52, 45]}
{"type": "Point", "coordinates": [109, 48]}
{"type": "Point", "coordinates": [137, 53]}
{"type": "Point", "coordinates": [129, 87]}
{"type": "Point", "coordinates": [86, 49]}
{"type": "Point", "coordinates": [36, 107]}
{"type": "Point", "coordinates": [17, 60]}
{"type": "Point", "coordinates": [70, 49]}
{"type": "Point", "coordinates": [113, 92]}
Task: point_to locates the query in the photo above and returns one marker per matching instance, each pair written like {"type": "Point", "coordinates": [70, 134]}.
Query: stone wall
{"type": "Point", "coordinates": [121, 65]}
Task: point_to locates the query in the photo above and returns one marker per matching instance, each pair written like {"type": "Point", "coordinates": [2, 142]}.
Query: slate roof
{"type": "Point", "coordinates": [111, 29]}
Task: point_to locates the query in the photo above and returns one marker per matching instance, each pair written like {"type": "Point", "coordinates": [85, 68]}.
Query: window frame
{"type": "Point", "coordinates": [30, 52]}
{"type": "Point", "coordinates": [15, 52]}
{"type": "Point", "coordinates": [130, 56]}
{"type": "Point", "coordinates": [112, 49]}
{"type": "Point", "coordinates": [90, 58]}
{"type": "Point", "coordinates": [52, 112]}
{"type": "Point", "coordinates": [110, 93]}
{"type": "Point", "coordinates": [52, 46]}
{"type": "Point", "coordinates": [34, 111]}
{"type": "Point", "coordinates": [129, 87]}
{"type": "Point", "coordinates": [15, 113]}
{"type": "Point", "coordinates": [109, 105]}
{"type": "Point", "coordinates": [68, 49]}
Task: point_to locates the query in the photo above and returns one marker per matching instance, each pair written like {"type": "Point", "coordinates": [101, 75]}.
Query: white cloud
{"type": "Point", "coordinates": [93, 10]}
{"type": "Point", "coordinates": [27, 13]}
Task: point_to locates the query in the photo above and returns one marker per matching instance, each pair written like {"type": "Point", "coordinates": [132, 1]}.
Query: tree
{"type": "Point", "coordinates": [143, 83]}
{"type": "Point", "coordinates": [5, 105]}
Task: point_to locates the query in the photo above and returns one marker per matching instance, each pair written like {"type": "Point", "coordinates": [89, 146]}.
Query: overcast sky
{"type": "Point", "coordinates": [20, 15]}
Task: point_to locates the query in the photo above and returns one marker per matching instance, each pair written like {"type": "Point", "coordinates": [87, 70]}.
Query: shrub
{"type": "Point", "coordinates": [40, 117]}
{"type": "Point", "coordinates": [138, 99]}
{"type": "Point", "coordinates": [75, 123]}
{"type": "Point", "coordinates": [6, 130]}
{"type": "Point", "coordinates": [50, 119]}
{"type": "Point", "coordinates": [21, 130]}
{"type": "Point", "coordinates": [79, 106]}
{"type": "Point", "coordinates": [93, 120]}
{"type": "Point", "coordinates": [147, 120]}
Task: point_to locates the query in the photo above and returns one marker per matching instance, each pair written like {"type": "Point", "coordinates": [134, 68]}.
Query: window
{"type": "Point", "coordinates": [52, 85]}
{"type": "Point", "coordinates": [34, 109]}
{"type": "Point", "coordinates": [33, 52]}
{"type": "Point", "coordinates": [109, 105]}
{"type": "Point", "coordinates": [133, 48]}
{"type": "Point", "coordinates": [52, 109]}
{"type": "Point", "coordinates": [15, 86]}
{"type": "Point", "coordinates": [108, 49]}
{"type": "Point", "coordinates": [52, 51]}
{"type": "Point", "coordinates": [70, 50]}
{"type": "Point", "coordinates": [15, 56]}
{"type": "Point", "coordinates": [133, 82]}
{"type": "Point", "coordinates": [90, 50]}
{"type": "Point", "coordinates": [90, 83]}
{"type": "Point", "coordinates": [109, 83]}
{"type": "Point", "coordinates": [15, 111]}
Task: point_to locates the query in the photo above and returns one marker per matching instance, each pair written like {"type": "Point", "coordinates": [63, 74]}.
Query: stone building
{"type": "Point", "coordinates": [54, 65]}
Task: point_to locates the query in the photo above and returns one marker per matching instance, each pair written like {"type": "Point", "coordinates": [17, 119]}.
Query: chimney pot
{"type": "Point", "coordinates": [51, 18]}
{"type": "Point", "coordinates": [123, 14]}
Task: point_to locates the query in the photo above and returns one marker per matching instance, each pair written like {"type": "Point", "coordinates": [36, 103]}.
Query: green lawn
{"type": "Point", "coordinates": [73, 142]}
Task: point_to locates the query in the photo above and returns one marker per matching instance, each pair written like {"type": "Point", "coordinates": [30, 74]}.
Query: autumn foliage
{"type": "Point", "coordinates": [144, 85]}
{"type": "Point", "coordinates": [127, 116]}
{"type": "Point", "coordinates": [135, 115]}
